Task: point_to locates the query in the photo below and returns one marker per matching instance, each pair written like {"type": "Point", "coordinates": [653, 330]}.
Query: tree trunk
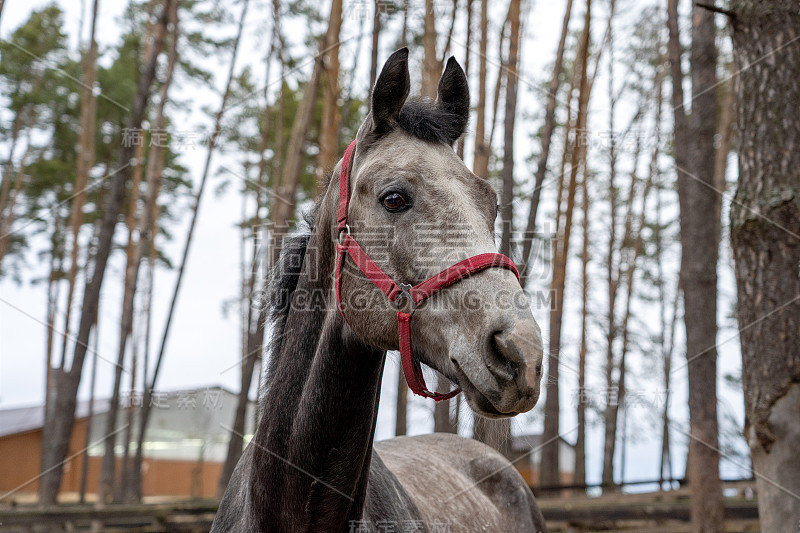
{"type": "Point", "coordinates": [442, 421]}
{"type": "Point", "coordinates": [549, 470]}
{"type": "Point", "coordinates": [612, 278]}
{"type": "Point", "coordinates": [8, 199]}
{"type": "Point", "coordinates": [88, 434]}
{"type": "Point", "coordinates": [108, 467]}
{"type": "Point", "coordinates": [666, 454]}
{"type": "Point", "coordinates": [694, 157]}
{"type": "Point", "coordinates": [136, 471]}
{"type": "Point", "coordinates": [667, 329]}
{"type": "Point", "coordinates": [507, 197]}
{"type": "Point", "coordinates": [627, 251]}
{"type": "Point", "coordinates": [277, 160]}
{"type": "Point", "coordinates": [53, 295]}
{"type": "Point", "coordinates": [620, 387]}
{"type": "Point", "coordinates": [329, 129]}
{"type": "Point", "coordinates": [8, 171]}
{"type": "Point", "coordinates": [284, 205]}
{"type": "Point", "coordinates": [7, 221]}
{"type": "Point", "coordinates": [480, 159]}
{"type": "Point", "coordinates": [85, 163]}
{"type": "Point", "coordinates": [499, 431]}
{"type": "Point", "coordinates": [727, 116]}
{"type": "Point", "coordinates": [765, 230]}
{"type": "Point", "coordinates": [700, 208]}
{"type": "Point", "coordinates": [404, 29]}
{"type": "Point", "coordinates": [401, 407]}
{"type": "Point", "coordinates": [450, 33]}
{"type": "Point", "coordinates": [497, 87]}
{"type": "Point", "coordinates": [376, 31]}
{"type": "Point", "coordinates": [148, 229]}
{"type": "Point", "coordinates": [432, 65]}
{"type": "Point", "coordinates": [134, 253]}
{"type": "Point", "coordinates": [547, 134]}
{"type": "Point", "coordinates": [254, 333]}
{"type": "Point", "coordinates": [57, 433]}
{"type": "Point", "coordinates": [580, 440]}
{"type": "Point", "coordinates": [467, 50]}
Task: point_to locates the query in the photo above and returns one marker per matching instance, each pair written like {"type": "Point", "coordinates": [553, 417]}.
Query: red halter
{"type": "Point", "coordinates": [347, 245]}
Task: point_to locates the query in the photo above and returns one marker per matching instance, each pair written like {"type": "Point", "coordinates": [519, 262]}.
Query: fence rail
{"type": "Point", "coordinates": [196, 516]}
{"type": "Point", "coordinates": [680, 482]}
{"type": "Point", "coordinates": [179, 517]}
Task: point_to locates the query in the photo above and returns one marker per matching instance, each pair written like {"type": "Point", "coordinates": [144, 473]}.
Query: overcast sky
{"type": "Point", "coordinates": [204, 343]}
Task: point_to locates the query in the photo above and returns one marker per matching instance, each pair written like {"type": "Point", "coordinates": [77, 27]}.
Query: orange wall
{"type": "Point", "coordinates": [531, 475]}
{"type": "Point", "coordinates": [20, 456]}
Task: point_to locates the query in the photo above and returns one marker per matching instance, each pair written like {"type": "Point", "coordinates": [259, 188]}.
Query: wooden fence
{"type": "Point", "coordinates": [650, 512]}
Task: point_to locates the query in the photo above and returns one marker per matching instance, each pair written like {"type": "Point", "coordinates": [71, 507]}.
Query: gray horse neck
{"type": "Point", "coordinates": [313, 445]}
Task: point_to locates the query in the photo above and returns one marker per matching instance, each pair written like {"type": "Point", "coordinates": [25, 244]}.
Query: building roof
{"type": "Point", "coordinates": [23, 419]}
{"type": "Point", "coordinates": [17, 420]}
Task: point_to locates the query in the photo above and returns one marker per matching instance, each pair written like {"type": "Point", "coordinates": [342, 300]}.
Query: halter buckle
{"type": "Point", "coordinates": [405, 296]}
{"type": "Point", "coordinates": [343, 233]}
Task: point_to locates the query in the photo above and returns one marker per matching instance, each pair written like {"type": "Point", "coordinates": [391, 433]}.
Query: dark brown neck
{"type": "Point", "coordinates": [313, 444]}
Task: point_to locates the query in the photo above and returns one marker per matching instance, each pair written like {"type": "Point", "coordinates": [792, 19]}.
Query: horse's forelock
{"type": "Point", "coordinates": [430, 122]}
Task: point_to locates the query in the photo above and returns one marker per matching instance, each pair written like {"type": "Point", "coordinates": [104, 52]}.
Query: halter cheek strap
{"type": "Point", "coordinates": [347, 246]}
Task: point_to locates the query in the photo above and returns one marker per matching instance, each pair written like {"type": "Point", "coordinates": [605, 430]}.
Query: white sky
{"type": "Point", "coordinates": [205, 342]}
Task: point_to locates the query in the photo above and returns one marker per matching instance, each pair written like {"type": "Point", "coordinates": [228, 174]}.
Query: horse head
{"type": "Point", "coordinates": [416, 209]}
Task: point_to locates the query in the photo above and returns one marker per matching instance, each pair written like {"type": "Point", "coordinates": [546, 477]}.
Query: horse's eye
{"type": "Point", "coordinates": [394, 202]}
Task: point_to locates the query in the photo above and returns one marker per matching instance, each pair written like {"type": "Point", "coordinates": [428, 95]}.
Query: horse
{"type": "Point", "coordinates": [398, 209]}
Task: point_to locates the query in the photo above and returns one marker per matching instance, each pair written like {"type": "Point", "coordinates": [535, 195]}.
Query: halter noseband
{"type": "Point", "coordinates": [414, 295]}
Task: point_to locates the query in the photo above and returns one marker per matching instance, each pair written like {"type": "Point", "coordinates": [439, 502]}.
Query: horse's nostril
{"type": "Point", "coordinates": [511, 368]}
{"type": "Point", "coordinates": [499, 357]}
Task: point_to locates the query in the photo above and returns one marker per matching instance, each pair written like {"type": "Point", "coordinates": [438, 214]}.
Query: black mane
{"type": "Point", "coordinates": [283, 278]}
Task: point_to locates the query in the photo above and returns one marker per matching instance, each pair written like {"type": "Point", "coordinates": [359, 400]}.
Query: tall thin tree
{"type": "Point", "coordinates": [136, 471]}
{"type": "Point", "coordinates": [547, 135]}
{"type": "Point", "coordinates": [580, 439]}
{"type": "Point", "coordinates": [329, 129]}
{"type": "Point", "coordinates": [256, 314]}
{"type": "Point", "coordinates": [480, 161]}
{"type": "Point", "coordinates": [85, 163]}
{"type": "Point", "coordinates": [694, 159]}
{"type": "Point", "coordinates": [550, 467]}
{"type": "Point", "coordinates": [58, 430]}
{"type": "Point", "coordinates": [432, 64]}
{"type": "Point", "coordinates": [507, 196]}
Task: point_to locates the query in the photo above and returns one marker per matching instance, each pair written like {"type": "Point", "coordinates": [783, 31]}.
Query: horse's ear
{"type": "Point", "coordinates": [454, 95]}
{"type": "Point", "coordinates": [390, 91]}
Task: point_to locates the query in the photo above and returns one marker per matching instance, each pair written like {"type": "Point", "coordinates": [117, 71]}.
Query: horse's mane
{"type": "Point", "coordinates": [422, 119]}
{"type": "Point", "coordinates": [283, 278]}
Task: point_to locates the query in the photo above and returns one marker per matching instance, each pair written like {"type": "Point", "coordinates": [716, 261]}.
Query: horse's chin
{"type": "Point", "coordinates": [483, 406]}
{"type": "Point", "coordinates": [480, 405]}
